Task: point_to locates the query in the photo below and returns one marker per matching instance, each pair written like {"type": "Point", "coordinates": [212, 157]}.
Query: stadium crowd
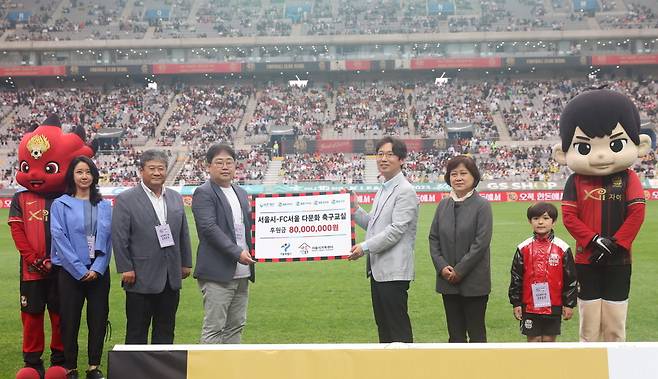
{"type": "Point", "coordinates": [363, 108]}
{"type": "Point", "coordinates": [455, 102]}
{"type": "Point", "coordinates": [251, 168]}
{"type": "Point", "coordinates": [197, 115]}
{"type": "Point", "coordinates": [302, 110]}
{"type": "Point", "coordinates": [133, 111]}
{"type": "Point", "coordinates": [202, 114]}
{"type": "Point", "coordinates": [339, 168]}
{"type": "Point", "coordinates": [116, 19]}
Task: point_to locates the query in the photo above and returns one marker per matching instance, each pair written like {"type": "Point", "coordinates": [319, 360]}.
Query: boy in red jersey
{"type": "Point", "coordinates": [603, 204]}
{"type": "Point", "coordinates": [543, 285]}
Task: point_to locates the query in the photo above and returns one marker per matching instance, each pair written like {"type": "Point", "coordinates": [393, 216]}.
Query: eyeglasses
{"type": "Point", "coordinates": [227, 163]}
{"type": "Point", "coordinates": [387, 154]}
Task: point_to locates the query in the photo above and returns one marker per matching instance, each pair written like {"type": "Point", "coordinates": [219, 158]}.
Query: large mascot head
{"type": "Point", "coordinates": [44, 155]}
{"type": "Point", "coordinates": [600, 132]}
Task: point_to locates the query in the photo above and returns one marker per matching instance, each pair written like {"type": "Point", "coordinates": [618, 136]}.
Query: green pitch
{"type": "Point", "coordinates": [329, 302]}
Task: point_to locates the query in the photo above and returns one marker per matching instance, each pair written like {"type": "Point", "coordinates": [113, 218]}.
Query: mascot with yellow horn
{"type": "Point", "coordinates": [44, 155]}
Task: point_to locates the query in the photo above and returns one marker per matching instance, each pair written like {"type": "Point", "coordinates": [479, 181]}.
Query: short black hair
{"type": "Point", "coordinates": [468, 162]}
{"type": "Point", "coordinates": [399, 147]}
{"type": "Point", "coordinates": [540, 208]}
{"type": "Point", "coordinates": [597, 112]}
{"type": "Point", "coordinates": [95, 196]}
{"type": "Point", "coordinates": [153, 155]}
{"type": "Point", "coordinates": [217, 149]}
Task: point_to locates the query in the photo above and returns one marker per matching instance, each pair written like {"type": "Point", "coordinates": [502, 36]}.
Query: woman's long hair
{"type": "Point", "coordinates": [95, 196]}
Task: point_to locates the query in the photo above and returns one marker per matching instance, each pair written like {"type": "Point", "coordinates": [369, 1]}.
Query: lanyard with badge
{"type": "Point", "coordinates": [163, 231]}
{"type": "Point", "coordinates": [240, 235]}
{"type": "Point", "coordinates": [238, 217]}
{"type": "Point", "coordinates": [541, 296]}
{"type": "Point", "coordinates": [91, 232]}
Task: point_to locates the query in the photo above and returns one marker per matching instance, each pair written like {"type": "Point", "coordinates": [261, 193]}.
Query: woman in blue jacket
{"type": "Point", "coordinates": [81, 245]}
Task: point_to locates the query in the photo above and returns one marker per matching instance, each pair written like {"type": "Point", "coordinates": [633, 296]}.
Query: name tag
{"type": "Point", "coordinates": [540, 295]}
{"type": "Point", "coordinates": [91, 246]}
{"type": "Point", "coordinates": [165, 237]}
{"type": "Point", "coordinates": [239, 233]}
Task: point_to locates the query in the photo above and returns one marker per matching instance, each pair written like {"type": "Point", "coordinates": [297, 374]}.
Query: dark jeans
{"type": "Point", "coordinates": [73, 295]}
{"type": "Point", "coordinates": [465, 315]}
{"type": "Point", "coordinates": [389, 304]}
{"type": "Point", "coordinates": [158, 309]}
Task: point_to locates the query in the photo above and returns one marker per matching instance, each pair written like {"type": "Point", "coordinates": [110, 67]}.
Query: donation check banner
{"type": "Point", "coordinates": [302, 227]}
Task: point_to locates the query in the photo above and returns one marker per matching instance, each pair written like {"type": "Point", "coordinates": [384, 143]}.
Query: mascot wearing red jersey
{"type": "Point", "coordinates": [603, 204]}
{"type": "Point", "coordinates": [44, 155]}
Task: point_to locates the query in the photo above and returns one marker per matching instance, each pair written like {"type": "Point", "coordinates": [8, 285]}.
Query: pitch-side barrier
{"type": "Point", "coordinates": [387, 361]}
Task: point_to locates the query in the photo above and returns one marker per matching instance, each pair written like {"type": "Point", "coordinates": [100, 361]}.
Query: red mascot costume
{"type": "Point", "coordinates": [603, 204]}
{"type": "Point", "coordinates": [44, 155]}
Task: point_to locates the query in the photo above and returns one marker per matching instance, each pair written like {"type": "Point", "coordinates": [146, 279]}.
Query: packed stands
{"type": "Point", "coordinates": [534, 163]}
{"type": "Point", "coordinates": [119, 19]}
{"type": "Point", "coordinates": [646, 167]}
{"type": "Point", "coordinates": [638, 15]}
{"type": "Point", "coordinates": [118, 168]}
{"type": "Point", "coordinates": [371, 109]}
{"type": "Point", "coordinates": [222, 18]}
{"type": "Point", "coordinates": [336, 168]}
{"type": "Point", "coordinates": [287, 108]}
{"type": "Point", "coordinates": [80, 20]}
{"type": "Point", "coordinates": [251, 166]}
{"type": "Point", "coordinates": [203, 114]}
{"type": "Point", "coordinates": [195, 116]}
{"type": "Point", "coordinates": [455, 102]}
{"type": "Point", "coordinates": [134, 111]}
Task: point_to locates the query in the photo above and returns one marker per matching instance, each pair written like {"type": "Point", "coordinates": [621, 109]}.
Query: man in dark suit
{"type": "Point", "coordinates": [224, 264]}
{"type": "Point", "coordinates": [152, 251]}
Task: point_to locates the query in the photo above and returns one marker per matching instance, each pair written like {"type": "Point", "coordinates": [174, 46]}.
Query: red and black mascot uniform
{"type": "Point", "coordinates": [44, 155]}
{"type": "Point", "coordinates": [603, 204]}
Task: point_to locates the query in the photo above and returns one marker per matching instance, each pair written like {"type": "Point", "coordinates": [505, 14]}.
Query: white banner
{"type": "Point", "coordinates": [301, 227]}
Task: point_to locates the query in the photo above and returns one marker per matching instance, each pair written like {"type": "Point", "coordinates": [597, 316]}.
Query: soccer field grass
{"type": "Point", "coordinates": [329, 302]}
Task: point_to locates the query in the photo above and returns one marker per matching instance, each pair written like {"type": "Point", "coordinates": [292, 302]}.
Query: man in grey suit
{"type": "Point", "coordinates": [152, 251]}
{"type": "Point", "coordinates": [224, 265]}
{"type": "Point", "coordinates": [389, 245]}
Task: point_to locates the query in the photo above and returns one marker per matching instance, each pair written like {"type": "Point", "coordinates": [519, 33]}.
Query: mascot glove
{"type": "Point", "coordinates": [41, 265]}
{"type": "Point", "coordinates": [603, 248]}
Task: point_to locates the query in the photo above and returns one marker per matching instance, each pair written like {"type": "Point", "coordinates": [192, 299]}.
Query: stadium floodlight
{"type": "Point", "coordinates": [441, 80]}
{"type": "Point", "coordinates": [297, 83]}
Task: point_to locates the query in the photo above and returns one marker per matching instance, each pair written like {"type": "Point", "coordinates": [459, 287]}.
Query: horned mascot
{"type": "Point", "coordinates": [44, 155]}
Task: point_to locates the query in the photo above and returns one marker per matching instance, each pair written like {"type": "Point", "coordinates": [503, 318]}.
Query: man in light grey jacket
{"type": "Point", "coordinates": [389, 245]}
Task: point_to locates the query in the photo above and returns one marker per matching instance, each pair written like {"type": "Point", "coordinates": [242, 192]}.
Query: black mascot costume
{"type": "Point", "coordinates": [603, 204]}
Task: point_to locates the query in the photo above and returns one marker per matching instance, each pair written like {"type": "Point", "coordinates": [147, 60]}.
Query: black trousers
{"type": "Point", "coordinates": [465, 316]}
{"type": "Point", "coordinates": [159, 309]}
{"type": "Point", "coordinates": [611, 283]}
{"type": "Point", "coordinates": [389, 304]}
{"type": "Point", "coordinates": [73, 294]}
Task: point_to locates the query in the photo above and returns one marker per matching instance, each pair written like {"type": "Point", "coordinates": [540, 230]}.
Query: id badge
{"type": "Point", "coordinates": [239, 233]}
{"type": "Point", "coordinates": [165, 237]}
{"type": "Point", "coordinates": [541, 297]}
{"type": "Point", "coordinates": [91, 246]}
